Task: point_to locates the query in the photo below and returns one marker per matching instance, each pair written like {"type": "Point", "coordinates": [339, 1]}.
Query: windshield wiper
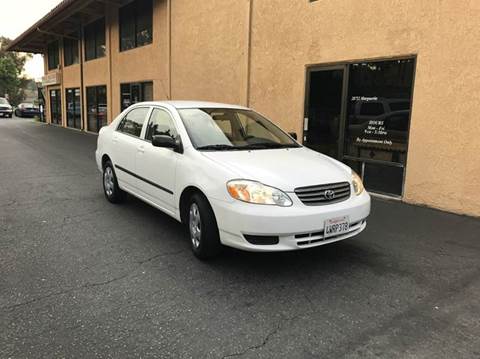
{"type": "Point", "coordinates": [217, 148]}
{"type": "Point", "coordinates": [268, 145]}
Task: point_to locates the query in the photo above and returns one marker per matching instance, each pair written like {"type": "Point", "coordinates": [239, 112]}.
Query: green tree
{"type": "Point", "coordinates": [11, 67]}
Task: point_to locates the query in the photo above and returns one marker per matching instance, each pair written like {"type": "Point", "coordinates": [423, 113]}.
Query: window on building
{"type": "Point", "coordinates": [95, 40]}
{"type": "Point", "coordinates": [132, 123]}
{"type": "Point", "coordinates": [359, 113]}
{"type": "Point", "coordinates": [70, 50]}
{"type": "Point", "coordinates": [96, 108]}
{"type": "Point", "coordinates": [136, 24]}
{"type": "Point", "coordinates": [53, 55]}
{"type": "Point", "coordinates": [74, 112]}
{"type": "Point", "coordinates": [160, 124]}
{"type": "Point", "coordinates": [135, 92]}
{"type": "Point", "coordinates": [55, 107]}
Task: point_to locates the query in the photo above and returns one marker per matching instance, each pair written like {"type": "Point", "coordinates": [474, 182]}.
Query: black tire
{"type": "Point", "coordinates": [17, 113]}
{"type": "Point", "coordinates": [10, 115]}
{"type": "Point", "coordinates": [112, 192]}
{"type": "Point", "coordinates": [206, 244]}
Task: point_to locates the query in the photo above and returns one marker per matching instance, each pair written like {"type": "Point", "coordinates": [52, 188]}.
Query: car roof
{"type": "Point", "coordinates": [194, 104]}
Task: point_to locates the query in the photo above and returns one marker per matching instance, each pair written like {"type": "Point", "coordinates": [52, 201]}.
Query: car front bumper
{"type": "Point", "coordinates": [297, 227]}
{"type": "Point", "coordinates": [29, 113]}
{"type": "Point", "coordinates": [6, 112]}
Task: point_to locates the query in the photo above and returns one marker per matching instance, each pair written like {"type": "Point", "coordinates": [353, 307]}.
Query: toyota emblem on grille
{"type": "Point", "coordinates": [329, 194]}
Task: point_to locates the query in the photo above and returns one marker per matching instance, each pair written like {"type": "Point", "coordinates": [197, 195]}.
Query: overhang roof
{"type": "Point", "coordinates": [63, 20]}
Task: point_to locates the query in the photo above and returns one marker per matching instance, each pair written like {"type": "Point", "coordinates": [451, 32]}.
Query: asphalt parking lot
{"type": "Point", "coordinates": [81, 278]}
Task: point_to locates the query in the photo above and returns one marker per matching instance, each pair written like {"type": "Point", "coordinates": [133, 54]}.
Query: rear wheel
{"type": "Point", "coordinates": [203, 229]}
{"type": "Point", "coordinates": [113, 193]}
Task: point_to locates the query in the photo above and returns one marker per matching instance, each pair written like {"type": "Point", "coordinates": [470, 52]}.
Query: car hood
{"type": "Point", "coordinates": [285, 169]}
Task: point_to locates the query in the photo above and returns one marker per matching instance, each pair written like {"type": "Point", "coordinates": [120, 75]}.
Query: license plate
{"type": "Point", "coordinates": [336, 226]}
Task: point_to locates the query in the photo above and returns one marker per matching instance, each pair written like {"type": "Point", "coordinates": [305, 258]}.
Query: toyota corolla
{"type": "Point", "coordinates": [231, 176]}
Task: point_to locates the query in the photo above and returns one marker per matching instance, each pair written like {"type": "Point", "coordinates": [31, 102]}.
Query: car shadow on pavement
{"type": "Point", "coordinates": [333, 257]}
{"type": "Point", "coordinates": [326, 258]}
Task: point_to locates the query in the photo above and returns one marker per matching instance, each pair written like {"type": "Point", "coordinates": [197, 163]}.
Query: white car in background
{"type": "Point", "coordinates": [6, 109]}
{"type": "Point", "coordinates": [231, 176]}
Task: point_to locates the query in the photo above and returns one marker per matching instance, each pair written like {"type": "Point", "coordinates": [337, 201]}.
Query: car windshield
{"type": "Point", "coordinates": [216, 129]}
{"type": "Point", "coordinates": [3, 101]}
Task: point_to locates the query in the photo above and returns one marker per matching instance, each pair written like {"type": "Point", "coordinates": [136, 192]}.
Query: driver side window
{"type": "Point", "coordinates": [160, 124]}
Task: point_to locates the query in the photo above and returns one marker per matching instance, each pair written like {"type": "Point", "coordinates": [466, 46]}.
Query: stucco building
{"type": "Point", "coordinates": [390, 87]}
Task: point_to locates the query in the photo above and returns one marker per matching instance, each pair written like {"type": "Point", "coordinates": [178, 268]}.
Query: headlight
{"type": "Point", "coordinates": [357, 184]}
{"type": "Point", "coordinates": [258, 193]}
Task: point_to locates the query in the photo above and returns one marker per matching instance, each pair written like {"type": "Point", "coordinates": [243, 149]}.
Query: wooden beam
{"type": "Point", "coordinates": [113, 2]}
{"type": "Point", "coordinates": [56, 34]}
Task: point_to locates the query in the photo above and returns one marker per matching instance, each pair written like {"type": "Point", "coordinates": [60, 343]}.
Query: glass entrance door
{"type": "Point", "coordinates": [74, 112]}
{"type": "Point", "coordinates": [55, 107]}
{"type": "Point", "coordinates": [324, 110]}
{"type": "Point", "coordinates": [371, 112]}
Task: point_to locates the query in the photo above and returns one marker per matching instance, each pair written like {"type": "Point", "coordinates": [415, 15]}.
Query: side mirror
{"type": "Point", "coordinates": [163, 141]}
{"type": "Point", "coordinates": [293, 135]}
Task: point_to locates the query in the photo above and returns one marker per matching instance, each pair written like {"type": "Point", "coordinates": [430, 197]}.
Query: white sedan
{"type": "Point", "coordinates": [231, 176]}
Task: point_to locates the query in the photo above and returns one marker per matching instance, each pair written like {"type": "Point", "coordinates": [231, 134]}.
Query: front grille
{"type": "Point", "coordinates": [323, 194]}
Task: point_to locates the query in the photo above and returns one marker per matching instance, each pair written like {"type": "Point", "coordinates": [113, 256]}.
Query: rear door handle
{"type": "Point", "coordinates": [141, 149]}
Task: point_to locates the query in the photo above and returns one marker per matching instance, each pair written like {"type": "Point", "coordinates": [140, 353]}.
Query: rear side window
{"type": "Point", "coordinates": [133, 122]}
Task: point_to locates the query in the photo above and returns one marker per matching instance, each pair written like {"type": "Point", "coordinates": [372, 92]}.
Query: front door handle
{"type": "Point", "coordinates": [141, 149]}
{"type": "Point", "coordinates": [115, 139]}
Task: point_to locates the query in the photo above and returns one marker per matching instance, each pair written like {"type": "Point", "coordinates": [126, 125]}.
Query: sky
{"type": "Point", "coordinates": [17, 16]}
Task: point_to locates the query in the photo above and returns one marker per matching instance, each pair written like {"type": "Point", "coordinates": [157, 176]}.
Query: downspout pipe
{"type": "Point", "coordinates": [82, 93]}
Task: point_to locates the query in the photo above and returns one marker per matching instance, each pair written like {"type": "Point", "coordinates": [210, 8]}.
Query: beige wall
{"type": "Point", "coordinates": [210, 61]}
{"type": "Point", "coordinates": [209, 50]}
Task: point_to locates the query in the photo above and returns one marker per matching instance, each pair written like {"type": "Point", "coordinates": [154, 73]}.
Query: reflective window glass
{"type": "Point", "coordinates": [133, 122]}
{"type": "Point", "coordinates": [160, 124]}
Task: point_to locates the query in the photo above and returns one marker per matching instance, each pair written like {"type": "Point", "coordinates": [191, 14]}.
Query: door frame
{"type": "Point", "coordinates": [73, 89]}
{"type": "Point", "coordinates": [343, 108]}
{"type": "Point", "coordinates": [58, 97]}
{"type": "Point", "coordinates": [345, 66]}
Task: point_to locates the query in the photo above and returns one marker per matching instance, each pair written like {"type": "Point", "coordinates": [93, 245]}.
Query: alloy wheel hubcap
{"type": "Point", "coordinates": [108, 181]}
{"type": "Point", "coordinates": [195, 225]}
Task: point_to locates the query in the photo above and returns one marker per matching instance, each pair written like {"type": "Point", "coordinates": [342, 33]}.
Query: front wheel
{"type": "Point", "coordinates": [113, 193]}
{"type": "Point", "coordinates": [203, 229]}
